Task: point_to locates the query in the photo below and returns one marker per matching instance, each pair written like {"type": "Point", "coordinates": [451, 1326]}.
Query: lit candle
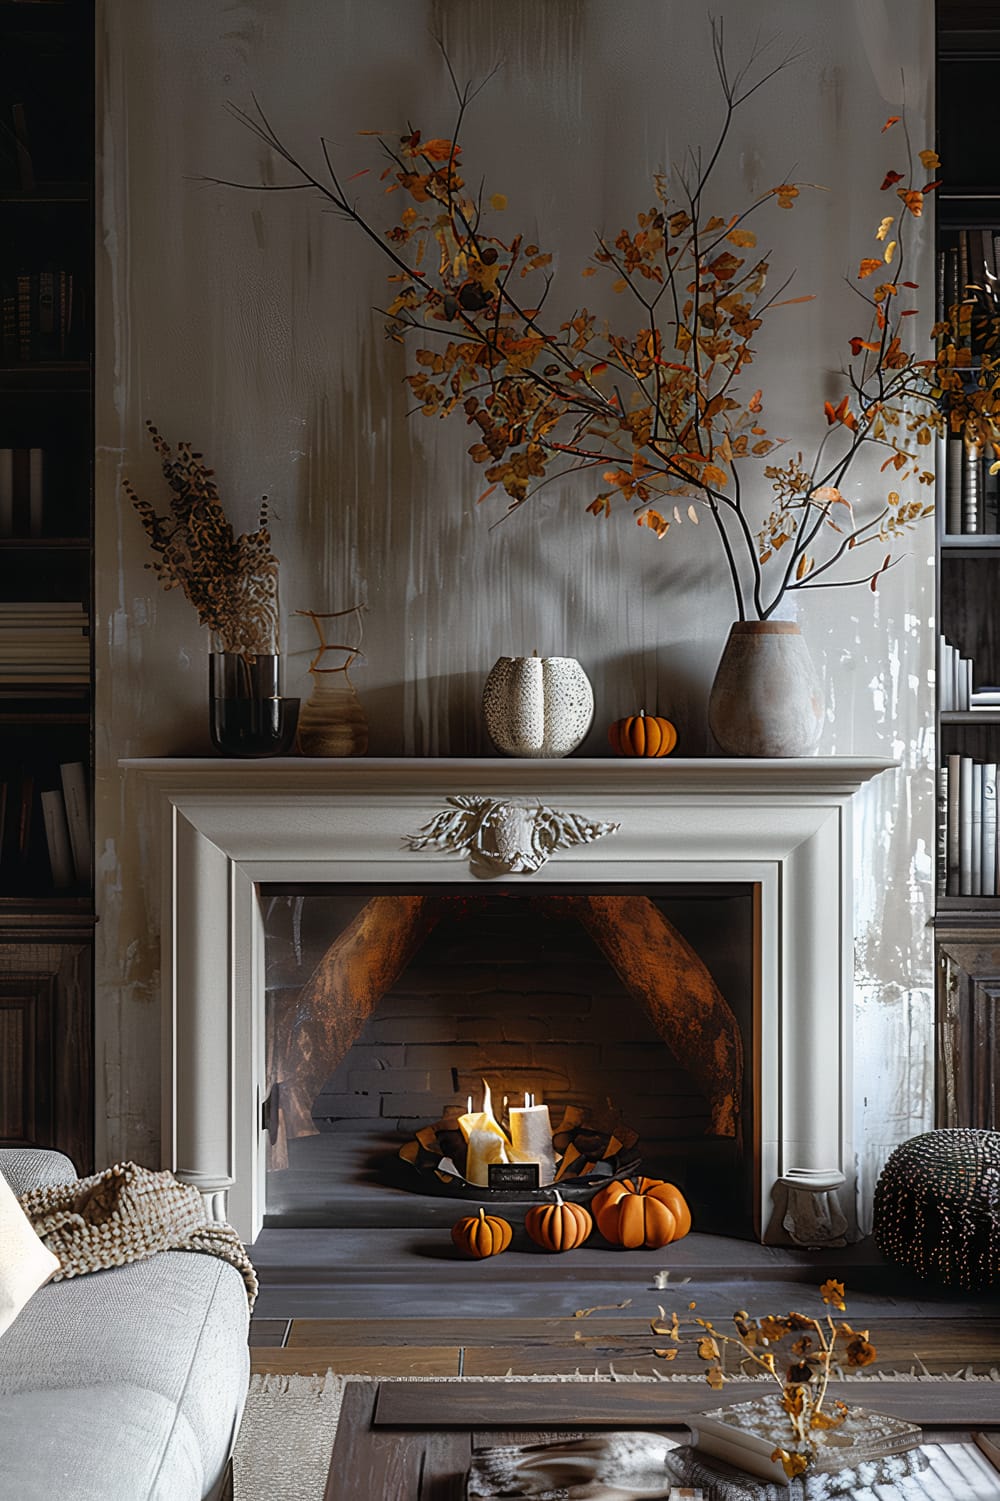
{"type": "Point", "coordinates": [485, 1140]}
{"type": "Point", "coordinates": [531, 1137]}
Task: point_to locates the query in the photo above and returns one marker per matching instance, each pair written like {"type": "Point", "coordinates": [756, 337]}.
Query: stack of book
{"type": "Point", "coordinates": [967, 828]}
{"type": "Point", "coordinates": [36, 316]}
{"type": "Point", "coordinates": [22, 492]}
{"type": "Point", "coordinates": [972, 493]}
{"type": "Point", "coordinates": [43, 642]}
{"type": "Point", "coordinates": [52, 824]}
{"type": "Point", "coordinates": [968, 297]}
{"type": "Point", "coordinates": [954, 678]}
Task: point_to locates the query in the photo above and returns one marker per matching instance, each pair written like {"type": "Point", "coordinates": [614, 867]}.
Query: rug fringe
{"type": "Point", "coordinates": [330, 1384]}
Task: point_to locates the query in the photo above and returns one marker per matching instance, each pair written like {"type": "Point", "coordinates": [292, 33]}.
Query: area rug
{"type": "Point", "coordinates": [289, 1423]}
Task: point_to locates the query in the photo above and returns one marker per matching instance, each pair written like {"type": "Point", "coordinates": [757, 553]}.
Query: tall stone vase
{"type": "Point", "coordinates": [766, 699]}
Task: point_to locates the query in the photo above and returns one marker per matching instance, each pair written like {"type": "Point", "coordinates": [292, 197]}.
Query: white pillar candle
{"type": "Point", "coordinates": [531, 1139]}
{"type": "Point", "coordinates": [483, 1147]}
{"type": "Point", "coordinates": [485, 1141]}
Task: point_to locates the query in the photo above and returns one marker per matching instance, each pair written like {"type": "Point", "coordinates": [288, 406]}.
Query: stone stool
{"type": "Point", "coordinates": [937, 1207]}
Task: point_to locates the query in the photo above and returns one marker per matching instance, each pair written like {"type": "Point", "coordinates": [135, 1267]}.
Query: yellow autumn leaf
{"type": "Point", "coordinates": [805, 566]}
{"type": "Point", "coordinates": [832, 1291]}
{"type": "Point", "coordinates": [589, 271]}
{"type": "Point", "coordinates": [890, 251]}
{"type": "Point", "coordinates": [884, 227]}
{"type": "Point", "coordinates": [930, 160]}
{"type": "Point", "coordinates": [499, 202]}
{"type": "Point", "coordinates": [744, 238]}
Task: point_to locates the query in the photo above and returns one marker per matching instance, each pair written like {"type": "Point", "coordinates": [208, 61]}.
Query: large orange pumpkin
{"type": "Point", "coordinates": [481, 1235]}
{"type": "Point", "coordinates": [641, 1212]}
{"type": "Point", "coordinates": [642, 734]}
{"type": "Point", "coordinates": [559, 1226]}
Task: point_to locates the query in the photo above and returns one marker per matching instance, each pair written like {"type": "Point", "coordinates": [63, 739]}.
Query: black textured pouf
{"type": "Point", "coordinates": [937, 1207]}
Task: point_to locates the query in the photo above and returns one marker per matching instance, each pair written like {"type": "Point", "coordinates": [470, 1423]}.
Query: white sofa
{"type": "Point", "coordinates": [122, 1385]}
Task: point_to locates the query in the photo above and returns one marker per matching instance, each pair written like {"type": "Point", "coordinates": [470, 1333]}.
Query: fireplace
{"type": "Point", "coordinates": [781, 829]}
{"type": "Point", "coordinates": [632, 1007]}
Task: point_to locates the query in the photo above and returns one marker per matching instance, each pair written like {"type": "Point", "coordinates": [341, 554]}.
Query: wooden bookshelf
{"type": "Point", "coordinates": [967, 917]}
{"type": "Point", "coordinates": [46, 573]}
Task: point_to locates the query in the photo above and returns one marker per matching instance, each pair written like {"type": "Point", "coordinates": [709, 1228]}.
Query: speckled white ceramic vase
{"type": "Point", "coordinates": [537, 706]}
{"type": "Point", "coordinates": [766, 699]}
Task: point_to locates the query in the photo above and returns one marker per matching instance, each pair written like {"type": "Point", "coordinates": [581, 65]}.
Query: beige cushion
{"type": "Point", "coordinates": [25, 1263]}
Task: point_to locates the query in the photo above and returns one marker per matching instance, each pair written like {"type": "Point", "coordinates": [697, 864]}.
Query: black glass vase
{"type": "Point", "coordinates": [249, 714]}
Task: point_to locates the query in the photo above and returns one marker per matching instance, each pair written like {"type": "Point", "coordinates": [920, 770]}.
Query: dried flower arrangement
{"type": "Point", "coordinates": [231, 580]}
{"type": "Point", "coordinates": [803, 1383]}
{"type": "Point", "coordinates": [663, 412]}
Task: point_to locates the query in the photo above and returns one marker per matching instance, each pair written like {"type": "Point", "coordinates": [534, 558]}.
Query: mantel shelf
{"type": "Point", "coordinates": [811, 775]}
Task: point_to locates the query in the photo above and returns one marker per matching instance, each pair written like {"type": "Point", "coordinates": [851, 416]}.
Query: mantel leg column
{"type": "Point", "coordinates": [817, 976]}
{"type": "Point", "coordinates": [198, 1031]}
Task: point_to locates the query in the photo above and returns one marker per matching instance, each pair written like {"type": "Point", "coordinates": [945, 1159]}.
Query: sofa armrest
{"type": "Point", "coordinates": [34, 1167]}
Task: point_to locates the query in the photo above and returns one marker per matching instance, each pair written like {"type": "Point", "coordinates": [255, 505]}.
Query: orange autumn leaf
{"type": "Point", "coordinates": [868, 265]}
{"type": "Point", "coordinates": [892, 120]}
{"type": "Point", "coordinates": [440, 150]}
{"type": "Point", "coordinates": [589, 271]}
{"type": "Point", "coordinates": [498, 202]}
{"type": "Point", "coordinates": [890, 180]}
{"type": "Point", "coordinates": [485, 495]}
{"type": "Point", "coordinates": [930, 160]}
{"type": "Point", "coordinates": [840, 413]}
{"type": "Point", "coordinates": [755, 402]}
{"type": "Point", "coordinates": [744, 238]}
{"type": "Point", "coordinates": [912, 199]}
{"type": "Point", "coordinates": [786, 194]}
{"type": "Point", "coordinates": [857, 344]}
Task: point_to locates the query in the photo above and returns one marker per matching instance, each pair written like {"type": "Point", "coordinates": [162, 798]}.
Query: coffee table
{"type": "Point", "coordinates": [413, 1440]}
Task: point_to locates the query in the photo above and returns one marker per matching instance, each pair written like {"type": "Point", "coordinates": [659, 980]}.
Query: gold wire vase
{"type": "Point", "coordinates": [332, 721]}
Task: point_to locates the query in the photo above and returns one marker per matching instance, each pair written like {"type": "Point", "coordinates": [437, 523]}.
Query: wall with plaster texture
{"type": "Point", "coordinates": [243, 321]}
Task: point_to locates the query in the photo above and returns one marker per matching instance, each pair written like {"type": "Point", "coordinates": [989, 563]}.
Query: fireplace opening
{"type": "Point", "coordinates": [388, 1007]}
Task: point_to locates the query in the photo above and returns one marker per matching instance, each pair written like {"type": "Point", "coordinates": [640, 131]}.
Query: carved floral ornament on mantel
{"type": "Point", "coordinates": [505, 838]}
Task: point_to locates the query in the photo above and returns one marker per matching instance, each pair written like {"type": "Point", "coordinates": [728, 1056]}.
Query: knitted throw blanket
{"type": "Point", "coordinates": [128, 1213]}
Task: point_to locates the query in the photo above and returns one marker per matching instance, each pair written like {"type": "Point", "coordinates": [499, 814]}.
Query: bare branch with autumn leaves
{"type": "Point", "coordinates": [807, 1362]}
{"type": "Point", "coordinates": [661, 412]}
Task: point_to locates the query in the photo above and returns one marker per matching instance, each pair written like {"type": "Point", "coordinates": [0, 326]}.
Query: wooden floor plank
{"type": "Point", "coordinates": [357, 1360]}
{"type": "Point", "coordinates": [599, 1343]}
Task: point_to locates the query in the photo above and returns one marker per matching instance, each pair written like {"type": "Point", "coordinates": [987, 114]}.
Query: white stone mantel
{"type": "Point", "coordinates": [783, 826]}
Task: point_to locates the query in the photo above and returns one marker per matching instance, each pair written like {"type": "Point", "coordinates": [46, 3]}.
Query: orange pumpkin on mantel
{"type": "Point", "coordinates": [481, 1235]}
{"type": "Point", "coordinates": [635, 1212]}
{"type": "Point", "coordinates": [560, 1226]}
{"type": "Point", "coordinates": [642, 734]}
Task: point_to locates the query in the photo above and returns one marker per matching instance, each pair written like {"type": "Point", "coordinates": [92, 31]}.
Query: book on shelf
{"type": "Point", "coordinates": [57, 839]}
{"type": "Point", "coordinates": [76, 797]}
{"type": "Point", "coordinates": [988, 829]}
{"type": "Point", "coordinates": [25, 167]}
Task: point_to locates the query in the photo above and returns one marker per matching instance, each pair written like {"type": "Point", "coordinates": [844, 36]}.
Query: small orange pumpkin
{"type": "Point", "coordinates": [559, 1226]}
{"type": "Point", "coordinates": [636, 1212]}
{"type": "Point", "coordinates": [642, 734]}
{"type": "Point", "coordinates": [481, 1235]}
